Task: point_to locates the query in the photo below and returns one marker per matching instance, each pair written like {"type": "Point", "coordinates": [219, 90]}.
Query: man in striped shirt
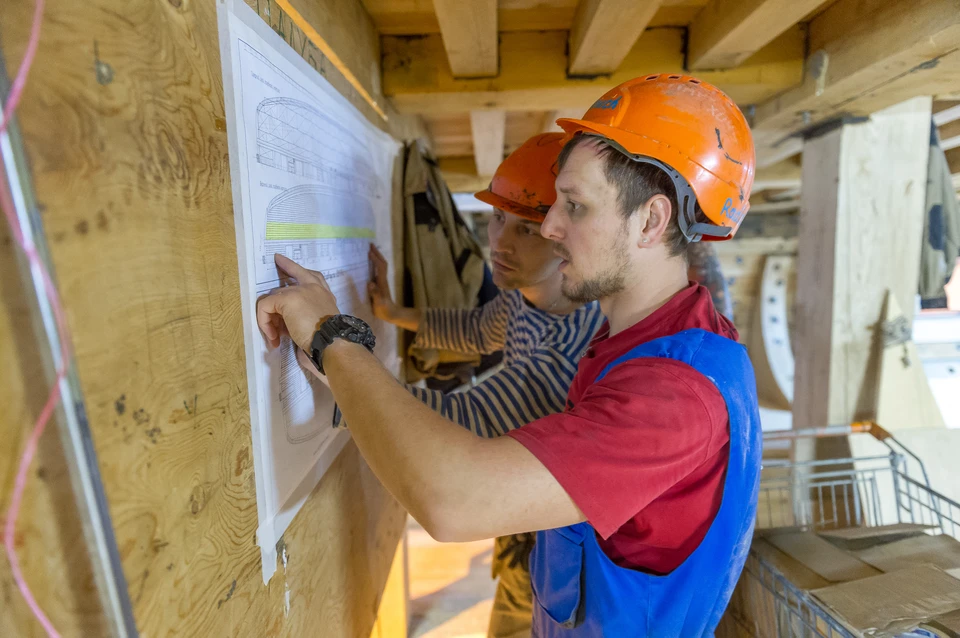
{"type": "Point", "coordinates": [541, 332]}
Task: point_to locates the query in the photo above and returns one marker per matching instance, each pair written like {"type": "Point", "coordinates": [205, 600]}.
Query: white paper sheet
{"type": "Point", "coordinates": [311, 179]}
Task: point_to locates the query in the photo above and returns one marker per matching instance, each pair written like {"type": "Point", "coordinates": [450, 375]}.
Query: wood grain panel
{"type": "Point", "coordinates": [125, 130]}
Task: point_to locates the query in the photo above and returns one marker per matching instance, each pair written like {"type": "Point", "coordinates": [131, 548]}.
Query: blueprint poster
{"type": "Point", "coordinates": [311, 179]}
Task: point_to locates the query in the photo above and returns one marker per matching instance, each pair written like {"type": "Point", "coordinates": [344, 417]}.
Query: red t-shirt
{"type": "Point", "coordinates": [643, 453]}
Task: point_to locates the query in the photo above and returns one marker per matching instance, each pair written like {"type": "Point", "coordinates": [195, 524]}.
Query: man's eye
{"type": "Point", "coordinates": [573, 206]}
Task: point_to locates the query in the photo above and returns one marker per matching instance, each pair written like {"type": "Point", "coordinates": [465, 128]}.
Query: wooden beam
{"type": "Point", "coordinates": [345, 42]}
{"type": "Point", "coordinates": [727, 32]}
{"type": "Point", "coordinates": [783, 225]}
{"type": "Point", "coordinates": [860, 227]}
{"type": "Point", "coordinates": [944, 112]}
{"type": "Point", "coordinates": [551, 117]}
{"type": "Point", "coordinates": [461, 176]}
{"type": "Point", "coordinates": [604, 31]}
{"type": "Point", "coordinates": [949, 135]}
{"type": "Point", "coordinates": [489, 130]}
{"type": "Point", "coordinates": [783, 174]}
{"type": "Point", "coordinates": [867, 55]}
{"type": "Point", "coordinates": [469, 32]}
{"type": "Point", "coordinates": [417, 17]}
{"type": "Point", "coordinates": [533, 72]}
{"type": "Point", "coordinates": [953, 160]}
{"type": "Point", "coordinates": [460, 173]}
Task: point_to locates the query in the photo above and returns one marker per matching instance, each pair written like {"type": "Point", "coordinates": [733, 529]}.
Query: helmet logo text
{"type": "Point", "coordinates": [732, 213]}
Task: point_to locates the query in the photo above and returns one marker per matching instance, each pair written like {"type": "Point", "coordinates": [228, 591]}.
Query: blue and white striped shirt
{"type": "Point", "coordinates": [540, 354]}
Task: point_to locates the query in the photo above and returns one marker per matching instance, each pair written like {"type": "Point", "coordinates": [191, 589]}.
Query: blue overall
{"type": "Point", "coordinates": [580, 592]}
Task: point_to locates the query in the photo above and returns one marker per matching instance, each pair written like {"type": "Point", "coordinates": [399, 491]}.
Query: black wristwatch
{"type": "Point", "coordinates": [340, 327]}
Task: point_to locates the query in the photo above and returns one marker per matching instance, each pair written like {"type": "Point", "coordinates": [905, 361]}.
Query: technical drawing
{"type": "Point", "coordinates": [297, 138]}
{"type": "Point", "coordinates": [312, 180]}
{"type": "Point", "coordinates": [291, 229]}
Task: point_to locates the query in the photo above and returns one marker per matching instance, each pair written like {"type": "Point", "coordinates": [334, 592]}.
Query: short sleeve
{"type": "Point", "coordinates": [631, 437]}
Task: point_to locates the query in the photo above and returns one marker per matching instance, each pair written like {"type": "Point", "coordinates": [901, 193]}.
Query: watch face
{"type": "Point", "coordinates": [353, 322]}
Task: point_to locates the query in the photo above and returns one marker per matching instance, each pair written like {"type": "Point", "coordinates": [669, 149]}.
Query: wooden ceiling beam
{"type": "Point", "coordinates": [469, 31]}
{"type": "Point", "coordinates": [866, 55]}
{"type": "Point", "coordinates": [727, 32]}
{"type": "Point", "coordinates": [953, 160]}
{"type": "Point", "coordinates": [533, 72]}
{"type": "Point", "coordinates": [489, 132]}
{"type": "Point", "coordinates": [604, 31]}
{"type": "Point", "coordinates": [949, 135]}
{"type": "Point", "coordinates": [417, 17]}
{"type": "Point", "coordinates": [461, 176]}
{"type": "Point", "coordinates": [551, 117]}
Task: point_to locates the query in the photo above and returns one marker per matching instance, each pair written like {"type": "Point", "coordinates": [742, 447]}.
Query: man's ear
{"type": "Point", "coordinates": [659, 210]}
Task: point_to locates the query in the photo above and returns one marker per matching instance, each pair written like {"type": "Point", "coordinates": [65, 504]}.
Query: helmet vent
{"type": "Point", "coordinates": [694, 81]}
{"type": "Point", "coordinates": [673, 77]}
{"type": "Point", "coordinates": [652, 77]}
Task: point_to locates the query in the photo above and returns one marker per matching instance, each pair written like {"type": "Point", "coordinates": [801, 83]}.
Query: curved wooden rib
{"type": "Point", "coordinates": [770, 349]}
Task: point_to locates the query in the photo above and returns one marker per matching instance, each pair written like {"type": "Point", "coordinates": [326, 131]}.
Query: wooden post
{"type": "Point", "coordinates": [862, 200]}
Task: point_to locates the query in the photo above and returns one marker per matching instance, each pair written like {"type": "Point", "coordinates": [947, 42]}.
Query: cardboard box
{"type": "Point", "coordinates": [822, 557]}
{"type": "Point", "coordinates": [947, 625]}
{"type": "Point", "coordinates": [941, 551]}
{"type": "Point", "coordinates": [885, 605]}
{"type": "Point", "coordinates": [855, 538]}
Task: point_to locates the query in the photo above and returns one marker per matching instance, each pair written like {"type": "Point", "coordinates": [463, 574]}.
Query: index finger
{"type": "Point", "coordinates": [289, 266]}
{"type": "Point", "coordinates": [376, 255]}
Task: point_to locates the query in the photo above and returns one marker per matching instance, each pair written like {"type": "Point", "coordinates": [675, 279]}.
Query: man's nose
{"type": "Point", "coordinates": [550, 228]}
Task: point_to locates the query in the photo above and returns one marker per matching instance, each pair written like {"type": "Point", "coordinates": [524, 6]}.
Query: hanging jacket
{"type": "Point", "coordinates": [443, 259]}
{"type": "Point", "coordinates": [941, 228]}
{"type": "Point", "coordinates": [579, 592]}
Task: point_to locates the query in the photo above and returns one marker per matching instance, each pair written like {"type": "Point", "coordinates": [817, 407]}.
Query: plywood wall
{"type": "Point", "coordinates": [125, 131]}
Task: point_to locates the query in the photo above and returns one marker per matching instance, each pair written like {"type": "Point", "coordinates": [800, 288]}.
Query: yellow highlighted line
{"type": "Point", "coordinates": [288, 230]}
{"type": "Point", "coordinates": [321, 44]}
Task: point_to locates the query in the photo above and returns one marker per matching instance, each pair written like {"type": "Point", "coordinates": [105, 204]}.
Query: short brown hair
{"type": "Point", "coordinates": [636, 183]}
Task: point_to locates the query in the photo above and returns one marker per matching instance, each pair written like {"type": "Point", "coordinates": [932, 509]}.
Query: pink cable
{"type": "Point", "coordinates": [6, 202]}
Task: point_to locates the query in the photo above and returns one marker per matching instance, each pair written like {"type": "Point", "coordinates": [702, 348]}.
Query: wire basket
{"type": "Point", "coordinates": [864, 491]}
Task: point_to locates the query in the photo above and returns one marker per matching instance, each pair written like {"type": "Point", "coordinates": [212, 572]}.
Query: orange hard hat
{"type": "Point", "coordinates": [523, 183]}
{"type": "Point", "coordinates": [694, 132]}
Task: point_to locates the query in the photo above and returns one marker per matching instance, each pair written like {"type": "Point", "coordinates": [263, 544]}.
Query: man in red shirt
{"type": "Point", "coordinates": [645, 486]}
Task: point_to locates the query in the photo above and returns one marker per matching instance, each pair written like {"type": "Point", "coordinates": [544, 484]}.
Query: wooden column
{"type": "Point", "coordinates": [863, 189]}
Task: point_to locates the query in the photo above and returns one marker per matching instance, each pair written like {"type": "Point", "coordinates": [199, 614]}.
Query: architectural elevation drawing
{"type": "Point", "coordinates": [311, 180]}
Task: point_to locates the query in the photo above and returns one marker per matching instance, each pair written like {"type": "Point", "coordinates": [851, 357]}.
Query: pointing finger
{"type": "Point", "coordinates": [292, 268]}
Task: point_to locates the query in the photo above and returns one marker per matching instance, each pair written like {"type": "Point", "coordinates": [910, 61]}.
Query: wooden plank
{"type": "Point", "coordinates": [783, 174]}
{"type": "Point", "coordinates": [454, 144]}
{"type": "Point", "coordinates": [949, 135]}
{"type": "Point", "coordinates": [904, 397]}
{"type": "Point", "coordinates": [489, 129]}
{"type": "Point", "coordinates": [393, 614]}
{"type": "Point", "coordinates": [551, 117]}
{"type": "Point", "coordinates": [360, 40]}
{"type": "Point", "coordinates": [469, 32]}
{"type": "Point", "coordinates": [533, 73]}
{"type": "Point", "coordinates": [945, 111]}
{"type": "Point", "coordinates": [416, 17]}
{"type": "Point", "coordinates": [867, 55]}
{"type": "Point", "coordinates": [124, 124]}
{"type": "Point", "coordinates": [860, 226]}
{"type": "Point", "coordinates": [453, 136]}
{"type": "Point", "coordinates": [727, 32]}
{"type": "Point", "coordinates": [604, 31]}
{"type": "Point", "coordinates": [953, 160]}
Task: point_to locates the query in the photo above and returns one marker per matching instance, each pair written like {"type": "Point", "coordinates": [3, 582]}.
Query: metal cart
{"type": "Point", "coordinates": [849, 492]}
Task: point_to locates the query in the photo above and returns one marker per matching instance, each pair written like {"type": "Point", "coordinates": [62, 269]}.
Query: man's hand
{"type": "Point", "coordinates": [295, 310]}
{"type": "Point", "coordinates": [379, 288]}
{"type": "Point", "coordinates": [380, 300]}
